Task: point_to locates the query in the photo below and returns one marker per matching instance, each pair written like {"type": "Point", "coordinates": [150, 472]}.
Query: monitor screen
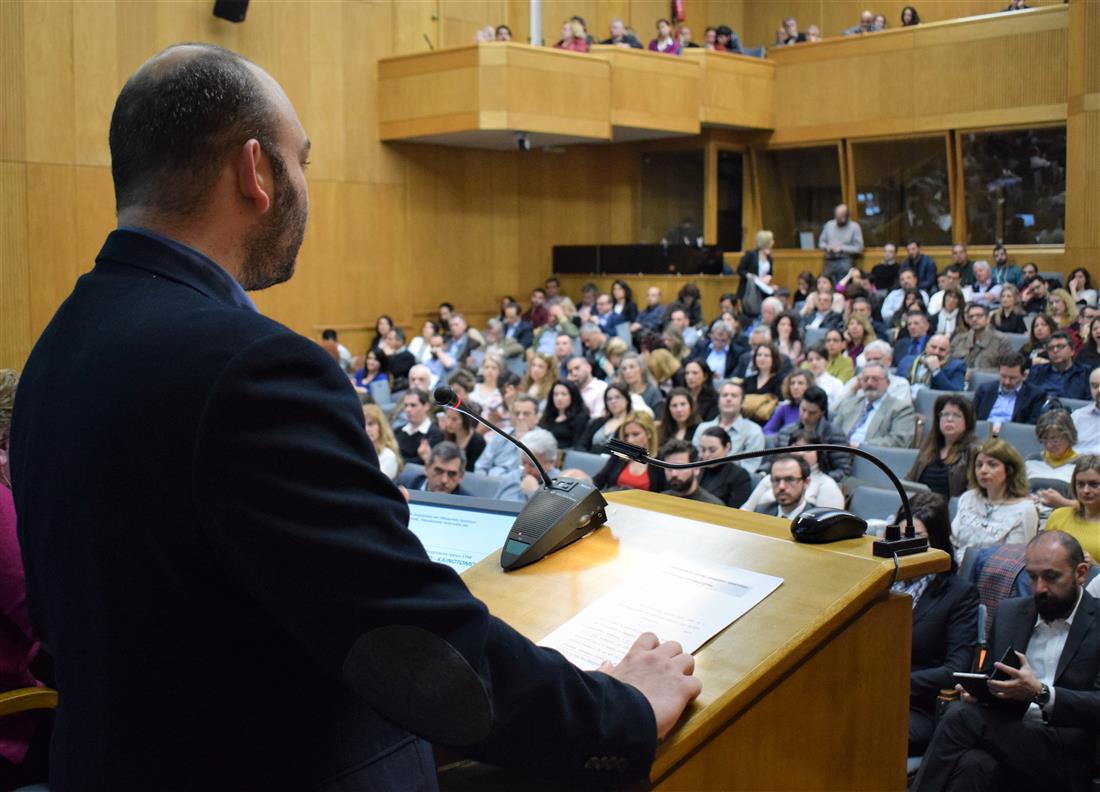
{"type": "Point", "coordinates": [460, 531]}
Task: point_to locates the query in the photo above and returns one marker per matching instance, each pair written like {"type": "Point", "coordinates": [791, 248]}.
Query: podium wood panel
{"type": "Point", "coordinates": [830, 631]}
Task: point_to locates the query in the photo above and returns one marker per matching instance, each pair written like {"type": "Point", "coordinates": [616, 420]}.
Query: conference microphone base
{"type": "Point", "coordinates": [554, 517]}
{"type": "Point", "coordinates": [906, 545]}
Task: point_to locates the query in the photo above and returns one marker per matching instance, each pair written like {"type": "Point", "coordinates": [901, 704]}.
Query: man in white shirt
{"type": "Point", "coordinates": [592, 389]}
{"type": "Point", "coordinates": [882, 353]}
{"type": "Point", "coordinates": [1055, 635]}
{"type": "Point", "coordinates": [1087, 419]}
{"type": "Point", "coordinates": [907, 279]}
{"type": "Point", "coordinates": [790, 476]}
{"type": "Point", "coordinates": [744, 434]}
{"type": "Point", "coordinates": [984, 289]}
{"type": "Point", "coordinates": [679, 319]}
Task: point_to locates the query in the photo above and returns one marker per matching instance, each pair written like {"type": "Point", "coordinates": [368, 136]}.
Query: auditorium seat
{"type": "Point", "coordinates": [517, 365]}
{"type": "Point", "coordinates": [1055, 276]}
{"type": "Point", "coordinates": [582, 460]}
{"type": "Point", "coordinates": [380, 392]}
{"type": "Point", "coordinates": [982, 429]}
{"type": "Point", "coordinates": [1022, 438]}
{"type": "Point", "coordinates": [900, 460]}
{"type": "Point", "coordinates": [814, 335]}
{"type": "Point", "coordinates": [1074, 404]}
{"type": "Point", "coordinates": [978, 378]}
{"type": "Point", "coordinates": [926, 399]}
{"type": "Point", "coordinates": [481, 486]}
{"type": "Point", "coordinates": [872, 503]}
{"type": "Point", "coordinates": [1017, 340]}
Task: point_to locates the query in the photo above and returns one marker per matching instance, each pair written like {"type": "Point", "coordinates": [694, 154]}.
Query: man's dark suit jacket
{"type": "Point", "coordinates": [1026, 410]}
{"type": "Point", "coordinates": [1076, 384]}
{"type": "Point", "coordinates": [945, 629]}
{"type": "Point", "coordinates": [227, 581]}
{"type": "Point", "coordinates": [523, 333]}
{"type": "Point", "coordinates": [418, 483]}
{"type": "Point", "coordinates": [903, 347]}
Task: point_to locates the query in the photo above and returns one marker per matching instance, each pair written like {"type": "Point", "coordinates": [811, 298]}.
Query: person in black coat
{"type": "Point", "coordinates": [945, 623]}
{"type": "Point", "coordinates": [982, 747]}
{"type": "Point", "coordinates": [730, 483]}
{"type": "Point", "coordinates": [222, 531]}
{"type": "Point", "coordinates": [565, 416]}
{"type": "Point", "coordinates": [754, 264]}
{"type": "Point", "coordinates": [1012, 370]}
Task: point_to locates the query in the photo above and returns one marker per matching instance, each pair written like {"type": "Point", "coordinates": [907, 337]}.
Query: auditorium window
{"type": "Point", "coordinates": [1015, 186]}
{"type": "Point", "coordinates": [902, 191]}
{"type": "Point", "coordinates": [798, 190]}
{"type": "Point", "coordinates": [672, 195]}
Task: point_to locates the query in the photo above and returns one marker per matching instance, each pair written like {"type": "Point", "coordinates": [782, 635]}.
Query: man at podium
{"type": "Point", "coordinates": [224, 575]}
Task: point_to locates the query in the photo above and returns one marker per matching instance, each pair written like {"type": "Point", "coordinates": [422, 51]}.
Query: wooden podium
{"type": "Point", "coordinates": [808, 690]}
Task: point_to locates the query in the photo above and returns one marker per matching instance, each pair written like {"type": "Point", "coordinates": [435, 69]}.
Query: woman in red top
{"type": "Point", "coordinates": [638, 429]}
{"type": "Point", "coordinates": [573, 37]}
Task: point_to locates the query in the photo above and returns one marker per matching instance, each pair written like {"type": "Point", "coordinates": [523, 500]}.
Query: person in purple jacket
{"type": "Point", "coordinates": [665, 41]}
{"type": "Point", "coordinates": [786, 412]}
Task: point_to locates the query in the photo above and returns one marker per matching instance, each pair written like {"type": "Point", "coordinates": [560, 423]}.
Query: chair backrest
{"type": "Point", "coordinates": [952, 507]}
{"type": "Point", "coordinates": [582, 460]}
{"type": "Point", "coordinates": [410, 473]}
{"type": "Point", "coordinates": [1074, 404]}
{"type": "Point", "coordinates": [814, 335]}
{"type": "Point", "coordinates": [978, 378]}
{"type": "Point", "coordinates": [1016, 340]}
{"type": "Point", "coordinates": [1055, 276]}
{"type": "Point", "coordinates": [925, 400]}
{"type": "Point", "coordinates": [482, 486]}
{"type": "Point", "coordinates": [1022, 438]}
{"type": "Point", "coordinates": [517, 365]}
{"type": "Point", "coordinates": [622, 330]}
{"type": "Point", "coordinates": [982, 429]}
{"type": "Point", "coordinates": [872, 503]}
{"type": "Point", "coordinates": [1059, 486]}
{"type": "Point", "coordinates": [900, 460]}
{"type": "Point", "coordinates": [380, 392]}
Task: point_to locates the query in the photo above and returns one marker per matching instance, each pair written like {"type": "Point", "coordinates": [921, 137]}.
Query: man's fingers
{"type": "Point", "coordinates": [605, 667]}
{"type": "Point", "coordinates": [670, 649]}
{"type": "Point", "coordinates": [645, 641]}
{"type": "Point", "coordinates": [1007, 669]}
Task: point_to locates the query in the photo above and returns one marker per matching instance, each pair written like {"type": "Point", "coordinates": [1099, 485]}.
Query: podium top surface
{"type": "Point", "coordinates": [824, 587]}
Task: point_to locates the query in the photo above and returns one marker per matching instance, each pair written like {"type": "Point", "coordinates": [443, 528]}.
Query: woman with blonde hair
{"type": "Point", "coordinates": [996, 510]}
{"type": "Point", "coordinates": [662, 366]}
{"type": "Point", "coordinates": [635, 375]}
{"type": "Point", "coordinates": [756, 268]}
{"type": "Point", "coordinates": [1081, 519]}
{"type": "Point", "coordinates": [542, 373]}
{"type": "Point", "coordinates": [1063, 310]}
{"type": "Point", "coordinates": [858, 333]}
{"type": "Point", "coordinates": [637, 429]}
{"type": "Point", "coordinates": [1009, 316]}
{"type": "Point", "coordinates": [487, 394]}
{"type": "Point", "coordinates": [385, 444]}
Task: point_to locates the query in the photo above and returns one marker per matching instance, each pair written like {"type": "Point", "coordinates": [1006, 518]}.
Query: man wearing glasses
{"type": "Point", "coordinates": [790, 476]}
{"type": "Point", "coordinates": [444, 471]}
{"type": "Point", "coordinates": [1061, 376]}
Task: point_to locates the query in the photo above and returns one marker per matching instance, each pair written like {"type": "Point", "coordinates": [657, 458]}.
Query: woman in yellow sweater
{"type": "Point", "coordinates": [1083, 520]}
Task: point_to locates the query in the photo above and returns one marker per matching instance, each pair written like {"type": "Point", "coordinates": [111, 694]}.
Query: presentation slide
{"type": "Point", "coordinates": [458, 538]}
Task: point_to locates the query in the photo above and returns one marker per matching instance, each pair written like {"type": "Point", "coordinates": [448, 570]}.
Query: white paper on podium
{"type": "Point", "coordinates": [677, 600]}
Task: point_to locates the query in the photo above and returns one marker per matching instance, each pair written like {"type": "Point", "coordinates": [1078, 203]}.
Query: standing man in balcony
{"type": "Point", "coordinates": [842, 241]}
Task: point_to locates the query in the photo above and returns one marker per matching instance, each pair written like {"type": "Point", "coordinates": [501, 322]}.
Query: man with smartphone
{"type": "Point", "coordinates": [1055, 635]}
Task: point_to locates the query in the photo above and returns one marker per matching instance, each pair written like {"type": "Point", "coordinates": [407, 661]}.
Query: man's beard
{"type": "Point", "coordinates": [268, 259]}
{"type": "Point", "coordinates": [681, 486]}
{"type": "Point", "coordinates": [1051, 608]}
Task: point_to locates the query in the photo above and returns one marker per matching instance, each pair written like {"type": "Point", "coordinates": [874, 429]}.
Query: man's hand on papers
{"type": "Point", "coordinates": [663, 673]}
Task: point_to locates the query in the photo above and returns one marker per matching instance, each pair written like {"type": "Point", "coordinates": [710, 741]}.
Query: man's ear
{"type": "Point", "coordinates": [254, 178]}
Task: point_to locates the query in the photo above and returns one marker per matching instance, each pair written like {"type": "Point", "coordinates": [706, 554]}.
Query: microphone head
{"type": "Point", "coordinates": [445, 396]}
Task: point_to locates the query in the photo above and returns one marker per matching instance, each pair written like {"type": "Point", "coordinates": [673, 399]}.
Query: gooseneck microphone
{"type": "Point", "coordinates": [892, 544]}
{"type": "Point", "coordinates": [559, 513]}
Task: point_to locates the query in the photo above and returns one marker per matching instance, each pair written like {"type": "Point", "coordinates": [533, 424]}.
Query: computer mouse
{"type": "Point", "coordinates": [820, 525]}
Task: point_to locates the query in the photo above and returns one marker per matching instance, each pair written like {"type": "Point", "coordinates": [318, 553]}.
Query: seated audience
{"type": "Point", "coordinates": [650, 319]}
{"type": "Point", "coordinates": [683, 35]}
{"type": "Point", "coordinates": [1003, 272]}
{"type": "Point", "coordinates": [922, 264]}
{"type": "Point", "coordinates": [663, 366]}
{"type": "Point", "coordinates": [984, 289]}
{"type": "Point", "coordinates": [744, 366]}
{"type": "Point", "coordinates": [1080, 518]}
{"type": "Point", "coordinates": [789, 479]}
{"type": "Point", "coordinates": [1063, 310]}
{"type": "Point", "coordinates": [950, 319]}
{"type": "Point", "coordinates": [786, 413]}
{"type": "Point", "coordinates": [679, 417]}
{"type": "Point", "coordinates": [443, 471]}
{"type": "Point", "coordinates": [515, 328]}
{"type": "Point", "coordinates": [821, 489]}
{"type": "Point", "coordinates": [501, 458]}
{"type": "Point", "coordinates": [945, 622]}
{"type": "Point", "coordinates": [541, 374]}
{"type": "Point", "coordinates": [621, 37]}
{"type": "Point", "coordinates": [699, 380]}
{"type": "Point", "coordinates": [943, 463]}
{"type": "Point", "coordinates": [857, 333]}
{"type": "Point", "coordinates": [502, 33]}
{"type": "Point", "coordinates": [961, 259]}
{"type": "Point", "coordinates": [719, 353]}
{"type": "Point", "coordinates": [689, 300]}
{"type": "Point", "coordinates": [419, 434]}
{"type": "Point", "coordinates": [1089, 353]}
{"type": "Point", "coordinates": [1042, 328]}
{"type": "Point", "coordinates": [573, 37]}
{"type": "Point", "coordinates": [996, 510]}
{"type": "Point", "coordinates": [744, 434]}
{"type": "Point", "coordinates": [840, 365]}
{"type": "Point", "coordinates": [873, 417]}
{"type": "Point", "coordinates": [1008, 317]}
{"type": "Point", "coordinates": [806, 285]}
{"type": "Point", "coordinates": [818, 313]}
{"type": "Point", "coordinates": [420, 347]}
{"type": "Point", "coordinates": [894, 303]}
{"type": "Point", "coordinates": [866, 25]}
{"type": "Point", "coordinates": [638, 429]}
{"type": "Point", "coordinates": [726, 40]}
{"type": "Point", "coordinates": [817, 361]}
{"type": "Point", "coordinates": [617, 406]}
{"type": "Point", "coordinates": [728, 482]}
{"type": "Point", "coordinates": [563, 353]}
{"type": "Point", "coordinates": [685, 483]}
{"type": "Point", "coordinates": [934, 368]}
{"type": "Point", "coordinates": [813, 33]}
{"type": "Point", "coordinates": [910, 344]}
{"type": "Point", "coordinates": [1053, 745]}
{"type": "Point", "coordinates": [1012, 397]}
{"type": "Point", "coordinates": [1061, 376]}
{"type": "Point", "coordinates": [1079, 286]}
{"type": "Point", "coordinates": [880, 352]}
{"type": "Point", "coordinates": [764, 386]}
{"type": "Point", "coordinates": [486, 394]}
{"type": "Point", "coordinates": [1035, 295]}
{"type": "Point", "coordinates": [331, 342]}
{"type": "Point", "coordinates": [790, 31]}
{"type": "Point", "coordinates": [623, 301]}
{"type": "Point", "coordinates": [841, 238]}
{"type": "Point", "coordinates": [390, 459]}
{"type": "Point", "coordinates": [605, 315]}
{"type": "Point", "coordinates": [376, 368]}
{"type": "Point", "coordinates": [566, 416]}
{"type": "Point", "coordinates": [461, 429]}
{"type": "Point", "coordinates": [400, 360]}
{"type": "Point", "coordinates": [523, 481]}
{"type": "Point", "coordinates": [664, 42]}
{"type": "Point", "coordinates": [24, 737]}
{"type": "Point", "coordinates": [559, 322]}
{"type": "Point", "coordinates": [813, 419]}
{"type": "Point", "coordinates": [1087, 418]}
{"type": "Point", "coordinates": [382, 326]}
{"type": "Point", "coordinates": [462, 342]}
{"type": "Point", "coordinates": [579, 371]}
{"type": "Point", "coordinates": [635, 375]}
{"type": "Point", "coordinates": [910, 17]}
{"type": "Point", "coordinates": [1055, 430]}
{"type": "Point", "coordinates": [788, 338]}
{"type": "Point", "coordinates": [884, 275]}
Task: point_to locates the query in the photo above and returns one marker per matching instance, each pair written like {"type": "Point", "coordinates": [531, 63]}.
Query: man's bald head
{"type": "Point", "coordinates": [179, 117]}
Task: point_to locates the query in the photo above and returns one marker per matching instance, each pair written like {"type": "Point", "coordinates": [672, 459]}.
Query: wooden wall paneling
{"type": "Point", "coordinates": [650, 91]}
{"type": "Point", "coordinates": [95, 76]}
{"type": "Point", "coordinates": [712, 13]}
{"type": "Point", "coordinates": [48, 64]}
{"type": "Point", "coordinates": [13, 120]}
{"type": "Point", "coordinates": [51, 238]}
{"type": "Point", "coordinates": [16, 332]}
{"type": "Point", "coordinates": [412, 21]}
{"type": "Point", "coordinates": [366, 38]}
{"type": "Point", "coordinates": [1083, 137]}
{"type": "Point", "coordinates": [734, 90]}
{"type": "Point", "coordinates": [958, 186]}
{"type": "Point", "coordinates": [710, 193]}
{"type": "Point", "coordinates": [95, 214]}
{"type": "Point", "coordinates": [324, 108]}
{"type": "Point", "coordinates": [460, 20]}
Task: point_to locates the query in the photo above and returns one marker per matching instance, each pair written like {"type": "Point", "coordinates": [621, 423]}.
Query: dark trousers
{"type": "Point", "coordinates": [976, 749]}
{"type": "Point", "coordinates": [921, 726]}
